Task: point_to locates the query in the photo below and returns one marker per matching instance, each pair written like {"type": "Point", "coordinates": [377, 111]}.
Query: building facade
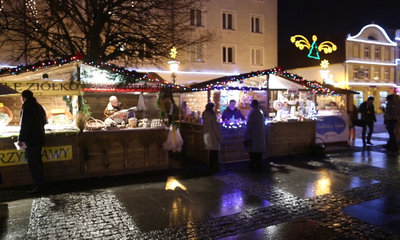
{"type": "Point", "coordinates": [246, 40]}
{"type": "Point", "coordinates": [371, 64]}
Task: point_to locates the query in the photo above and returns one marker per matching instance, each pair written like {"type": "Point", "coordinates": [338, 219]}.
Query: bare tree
{"type": "Point", "coordinates": [131, 32]}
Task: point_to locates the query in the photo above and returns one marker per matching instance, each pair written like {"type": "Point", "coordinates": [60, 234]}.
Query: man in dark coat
{"type": "Point", "coordinates": [255, 131]}
{"type": "Point", "coordinates": [231, 111]}
{"type": "Point", "coordinates": [367, 111]}
{"type": "Point", "coordinates": [32, 134]}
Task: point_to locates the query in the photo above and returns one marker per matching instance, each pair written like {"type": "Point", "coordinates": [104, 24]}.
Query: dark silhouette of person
{"type": "Point", "coordinates": [255, 131]}
{"type": "Point", "coordinates": [32, 134]}
{"type": "Point", "coordinates": [367, 111]}
{"type": "Point", "coordinates": [391, 117]}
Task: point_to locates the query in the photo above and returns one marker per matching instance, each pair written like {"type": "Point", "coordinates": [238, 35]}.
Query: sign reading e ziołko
{"type": "Point", "coordinates": [40, 88]}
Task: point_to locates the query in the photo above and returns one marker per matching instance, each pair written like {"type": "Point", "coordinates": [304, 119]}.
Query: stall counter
{"type": "Point", "coordinates": [282, 138]}
{"type": "Point", "coordinates": [73, 155]}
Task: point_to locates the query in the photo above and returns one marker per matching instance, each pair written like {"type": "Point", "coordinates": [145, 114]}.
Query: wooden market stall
{"type": "Point", "coordinates": [287, 137]}
{"type": "Point", "coordinates": [61, 151]}
{"type": "Point", "coordinates": [64, 88]}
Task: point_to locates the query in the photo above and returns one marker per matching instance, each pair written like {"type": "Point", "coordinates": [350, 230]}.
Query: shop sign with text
{"type": "Point", "coordinates": [40, 88]}
{"type": "Point", "coordinates": [115, 87]}
{"type": "Point", "coordinates": [49, 154]}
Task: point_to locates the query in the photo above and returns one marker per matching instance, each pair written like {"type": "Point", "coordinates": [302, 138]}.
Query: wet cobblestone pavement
{"type": "Point", "coordinates": [82, 215]}
{"type": "Point", "coordinates": [351, 193]}
{"type": "Point", "coordinates": [98, 214]}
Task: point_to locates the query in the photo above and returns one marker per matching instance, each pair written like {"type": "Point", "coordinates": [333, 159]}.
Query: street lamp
{"type": "Point", "coordinates": [173, 64]}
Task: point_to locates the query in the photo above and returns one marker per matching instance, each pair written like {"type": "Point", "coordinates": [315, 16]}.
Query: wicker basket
{"type": "Point", "coordinates": [94, 124]}
{"type": "Point", "coordinates": [7, 111]}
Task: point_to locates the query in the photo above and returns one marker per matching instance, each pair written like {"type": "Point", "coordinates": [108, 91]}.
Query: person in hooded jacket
{"type": "Point", "coordinates": [256, 133]}
{"type": "Point", "coordinates": [32, 134]}
{"type": "Point", "coordinates": [212, 135]}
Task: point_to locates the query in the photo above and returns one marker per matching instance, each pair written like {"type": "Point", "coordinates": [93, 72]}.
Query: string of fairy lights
{"type": "Point", "coordinates": [310, 86]}
{"type": "Point", "coordinates": [31, 5]}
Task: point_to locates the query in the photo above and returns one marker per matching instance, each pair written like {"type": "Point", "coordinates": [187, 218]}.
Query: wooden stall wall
{"type": "Point", "coordinates": [48, 102]}
{"type": "Point", "coordinates": [289, 138]}
{"type": "Point", "coordinates": [16, 175]}
{"type": "Point", "coordinates": [123, 151]}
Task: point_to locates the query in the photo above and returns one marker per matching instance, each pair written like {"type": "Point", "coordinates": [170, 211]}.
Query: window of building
{"type": "Point", "coordinates": [256, 56]}
{"type": "Point", "coordinates": [228, 54]}
{"type": "Point", "coordinates": [228, 20]}
{"type": "Point", "coordinates": [356, 50]}
{"type": "Point", "coordinates": [355, 72]}
{"type": "Point", "coordinates": [387, 54]}
{"type": "Point", "coordinates": [195, 17]}
{"type": "Point", "coordinates": [366, 52]}
{"type": "Point", "coordinates": [366, 73]}
{"type": "Point", "coordinates": [386, 74]}
{"type": "Point", "coordinates": [377, 53]}
{"type": "Point", "coordinates": [376, 73]}
{"type": "Point", "coordinates": [196, 53]}
{"type": "Point", "coordinates": [256, 24]}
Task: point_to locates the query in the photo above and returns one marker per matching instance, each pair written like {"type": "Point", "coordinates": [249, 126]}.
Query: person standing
{"type": "Point", "coordinates": [256, 133]}
{"type": "Point", "coordinates": [32, 134]}
{"type": "Point", "coordinates": [231, 111]}
{"type": "Point", "coordinates": [367, 111]}
{"type": "Point", "coordinates": [212, 135]}
{"type": "Point", "coordinates": [391, 115]}
{"type": "Point", "coordinates": [352, 123]}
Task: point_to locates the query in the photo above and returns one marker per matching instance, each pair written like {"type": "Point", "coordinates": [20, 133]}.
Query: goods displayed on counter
{"type": "Point", "coordinates": [143, 123]}
{"type": "Point", "coordinates": [94, 124]}
{"type": "Point", "coordinates": [60, 119]}
{"type": "Point", "coordinates": [6, 115]}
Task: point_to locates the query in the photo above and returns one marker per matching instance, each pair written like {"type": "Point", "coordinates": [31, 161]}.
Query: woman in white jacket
{"type": "Point", "coordinates": [211, 135]}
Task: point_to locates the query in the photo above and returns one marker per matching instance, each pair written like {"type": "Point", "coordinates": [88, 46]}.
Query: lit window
{"type": "Point", "coordinates": [195, 17]}
{"type": "Point", "coordinates": [376, 73]}
{"type": "Point", "coordinates": [228, 54]}
{"type": "Point", "coordinates": [256, 24]}
{"type": "Point", "coordinates": [228, 21]}
{"type": "Point", "coordinates": [377, 53]}
{"type": "Point", "coordinates": [355, 73]}
{"type": "Point", "coordinates": [366, 73]}
{"type": "Point", "coordinates": [196, 53]}
{"type": "Point", "coordinates": [386, 74]}
{"type": "Point", "coordinates": [256, 56]}
{"type": "Point", "coordinates": [366, 52]}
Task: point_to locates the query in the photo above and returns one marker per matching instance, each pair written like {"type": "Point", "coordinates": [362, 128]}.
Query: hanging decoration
{"type": "Point", "coordinates": [302, 42]}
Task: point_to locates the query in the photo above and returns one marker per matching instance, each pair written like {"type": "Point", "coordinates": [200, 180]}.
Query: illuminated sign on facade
{"type": "Point", "coordinates": [302, 42]}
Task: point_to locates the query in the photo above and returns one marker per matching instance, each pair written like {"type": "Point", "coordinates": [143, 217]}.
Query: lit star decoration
{"type": "Point", "coordinates": [173, 52]}
{"type": "Point", "coordinates": [302, 42]}
{"type": "Point", "coordinates": [324, 64]}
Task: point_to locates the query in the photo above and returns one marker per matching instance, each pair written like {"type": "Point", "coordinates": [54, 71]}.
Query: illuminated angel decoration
{"type": "Point", "coordinates": [301, 42]}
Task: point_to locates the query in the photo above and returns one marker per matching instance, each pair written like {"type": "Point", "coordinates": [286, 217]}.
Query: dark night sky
{"type": "Point", "coordinates": [330, 21]}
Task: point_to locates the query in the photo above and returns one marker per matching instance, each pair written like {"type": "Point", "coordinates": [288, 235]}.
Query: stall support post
{"type": "Point", "coordinates": [267, 98]}
{"type": "Point", "coordinates": [208, 95]}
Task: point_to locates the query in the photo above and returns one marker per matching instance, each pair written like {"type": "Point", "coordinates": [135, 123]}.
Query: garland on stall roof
{"type": "Point", "coordinates": [311, 86]}
{"type": "Point", "coordinates": [128, 76]}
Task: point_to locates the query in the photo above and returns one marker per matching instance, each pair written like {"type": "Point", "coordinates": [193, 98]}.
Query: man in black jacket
{"type": "Point", "coordinates": [32, 134]}
{"type": "Point", "coordinates": [367, 111]}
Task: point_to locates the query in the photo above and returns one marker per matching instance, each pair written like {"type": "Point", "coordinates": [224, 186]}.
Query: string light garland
{"type": "Point", "coordinates": [132, 74]}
